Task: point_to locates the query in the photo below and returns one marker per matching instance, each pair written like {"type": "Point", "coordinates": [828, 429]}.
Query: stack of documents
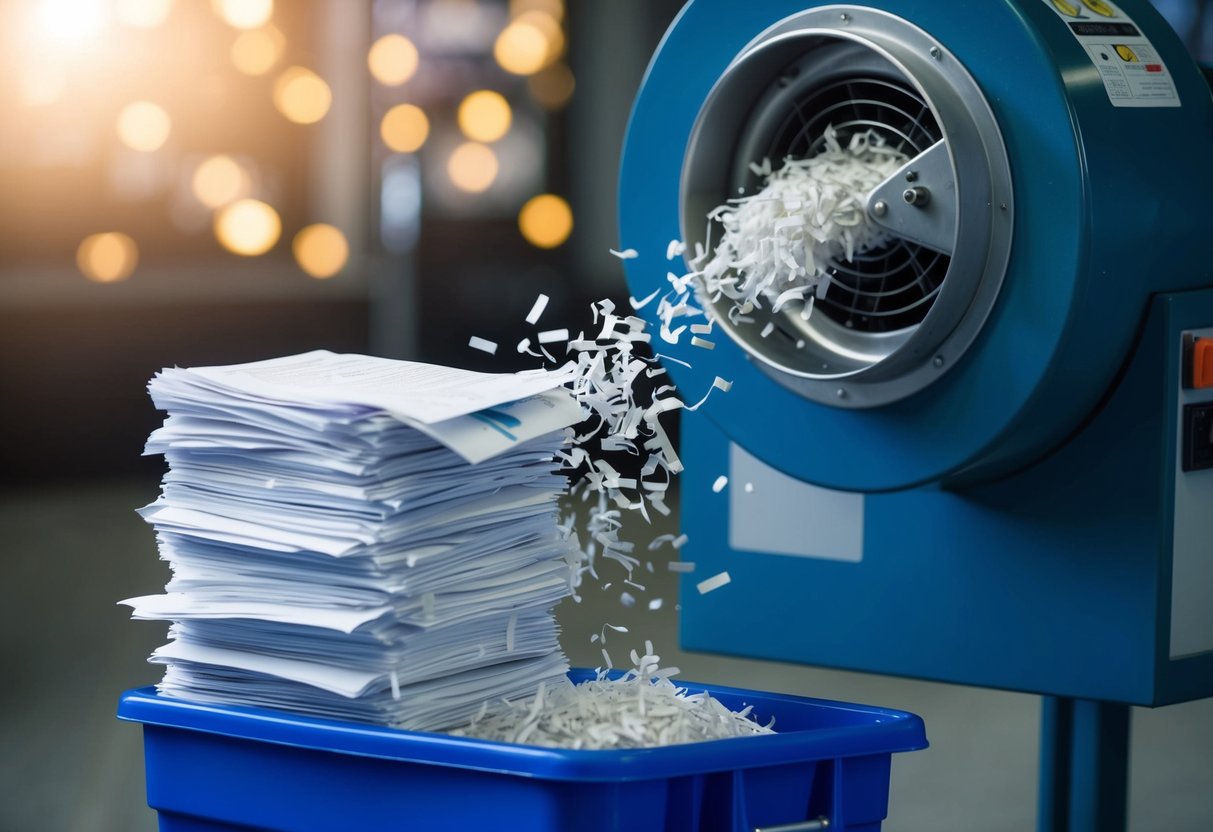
{"type": "Point", "coordinates": [360, 538]}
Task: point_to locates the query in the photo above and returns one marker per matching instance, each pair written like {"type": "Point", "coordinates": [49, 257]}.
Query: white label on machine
{"type": "Point", "coordinates": [773, 513]}
{"type": "Point", "coordinates": [1133, 73]}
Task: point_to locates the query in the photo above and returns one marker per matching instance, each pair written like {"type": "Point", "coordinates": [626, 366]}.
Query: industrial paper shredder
{"type": "Point", "coordinates": [984, 457]}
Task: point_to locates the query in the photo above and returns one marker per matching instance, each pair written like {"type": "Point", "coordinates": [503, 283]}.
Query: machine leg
{"type": "Point", "coordinates": [1084, 766]}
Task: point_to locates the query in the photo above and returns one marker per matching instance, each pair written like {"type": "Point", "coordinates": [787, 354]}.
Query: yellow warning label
{"type": "Point", "coordinates": [1126, 54]}
{"type": "Point", "coordinates": [1132, 71]}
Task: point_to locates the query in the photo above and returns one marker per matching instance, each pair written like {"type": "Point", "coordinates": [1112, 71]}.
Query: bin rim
{"type": "Point", "coordinates": [848, 730]}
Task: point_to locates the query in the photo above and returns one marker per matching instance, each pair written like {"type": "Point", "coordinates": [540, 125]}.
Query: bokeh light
{"type": "Point", "coordinates": [553, 32]}
{"type": "Point", "coordinates": [553, 8]}
{"type": "Point", "coordinates": [404, 128]}
{"type": "Point", "coordinates": [473, 167]}
{"type": "Point", "coordinates": [552, 86]}
{"type": "Point", "coordinates": [256, 51]}
{"type": "Point", "coordinates": [244, 14]}
{"type": "Point", "coordinates": [144, 126]}
{"type": "Point", "coordinates": [393, 60]}
{"type": "Point", "coordinates": [143, 14]}
{"type": "Point", "coordinates": [485, 116]}
{"type": "Point", "coordinates": [71, 21]}
{"type": "Point", "coordinates": [521, 48]}
{"type": "Point", "coordinates": [321, 250]}
{"type": "Point", "coordinates": [248, 227]}
{"type": "Point", "coordinates": [546, 221]}
{"type": "Point", "coordinates": [108, 257]}
{"type": "Point", "coordinates": [219, 180]}
{"type": "Point", "coordinates": [302, 96]}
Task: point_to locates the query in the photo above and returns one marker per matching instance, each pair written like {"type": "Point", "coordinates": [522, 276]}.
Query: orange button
{"type": "Point", "coordinates": [1202, 363]}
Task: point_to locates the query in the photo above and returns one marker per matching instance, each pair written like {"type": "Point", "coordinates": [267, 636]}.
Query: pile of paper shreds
{"type": "Point", "coordinates": [336, 552]}
{"type": "Point", "coordinates": [641, 708]}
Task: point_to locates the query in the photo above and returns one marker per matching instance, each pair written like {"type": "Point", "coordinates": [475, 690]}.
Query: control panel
{"type": "Point", "coordinates": [1192, 553]}
{"type": "Point", "coordinates": [1197, 436]}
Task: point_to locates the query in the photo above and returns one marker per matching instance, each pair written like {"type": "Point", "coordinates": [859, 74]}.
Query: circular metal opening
{"type": "Point", "coordinates": [846, 86]}
{"type": "Point", "coordinates": [894, 318]}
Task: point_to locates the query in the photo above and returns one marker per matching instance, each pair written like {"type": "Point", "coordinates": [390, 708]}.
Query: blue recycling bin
{"type": "Point", "coordinates": [217, 767]}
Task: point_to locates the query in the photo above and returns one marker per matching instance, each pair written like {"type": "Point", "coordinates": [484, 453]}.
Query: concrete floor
{"type": "Point", "coordinates": [66, 765]}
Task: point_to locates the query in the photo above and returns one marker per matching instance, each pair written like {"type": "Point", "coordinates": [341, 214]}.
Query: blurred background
{"type": "Point", "coordinates": [191, 182]}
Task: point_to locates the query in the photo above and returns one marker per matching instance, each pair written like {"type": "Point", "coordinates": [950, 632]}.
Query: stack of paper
{"type": "Point", "coordinates": [360, 538]}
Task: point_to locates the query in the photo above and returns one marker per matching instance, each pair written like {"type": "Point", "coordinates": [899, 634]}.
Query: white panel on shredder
{"type": "Point", "coordinates": [1192, 556]}
{"type": "Point", "coordinates": [774, 513]}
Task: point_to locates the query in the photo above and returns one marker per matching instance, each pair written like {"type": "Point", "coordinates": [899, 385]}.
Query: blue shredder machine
{"type": "Point", "coordinates": [985, 457]}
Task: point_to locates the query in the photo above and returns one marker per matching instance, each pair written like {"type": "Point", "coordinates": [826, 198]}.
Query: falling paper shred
{"type": "Point", "coordinates": [684, 567]}
{"type": "Point", "coordinates": [643, 302]}
{"type": "Point", "coordinates": [482, 344]}
{"type": "Point", "coordinates": [541, 303]}
{"type": "Point", "coordinates": [553, 335]}
{"type": "Point", "coordinates": [655, 604]}
{"type": "Point", "coordinates": [718, 384]}
{"type": "Point", "coordinates": [713, 583]}
{"type": "Point", "coordinates": [702, 344]}
{"type": "Point", "coordinates": [626, 254]}
{"type": "Point", "coordinates": [720, 483]}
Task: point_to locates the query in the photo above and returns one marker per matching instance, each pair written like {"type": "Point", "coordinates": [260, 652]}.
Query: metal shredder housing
{"type": "Point", "coordinates": [983, 458]}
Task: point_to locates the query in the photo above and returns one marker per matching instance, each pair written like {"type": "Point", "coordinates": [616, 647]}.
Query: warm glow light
{"type": "Point", "coordinates": [521, 48]}
{"type": "Point", "coordinates": [553, 8]}
{"type": "Point", "coordinates": [393, 60]}
{"type": "Point", "coordinates": [219, 180]}
{"type": "Point", "coordinates": [473, 167]}
{"type": "Point", "coordinates": [143, 14]}
{"type": "Point", "coordinates": [254, 52]}
{"type": "Point", "coordinates": [107, 258]}
{"type": "Point", "coordinates": [144, 126]}
{"type": "Point", "coordinates": [404, 128]}
{"type": "Point", "coordinates": [71, 21]}
{"type": "Point", "coordinates": [321, 250]}
{"type": "Point", "coordinates": [553, 86]}
{"type": "Point", "coordinates": [546, 221]}
{"type": "Point", "coordinates": [42, 83]}
{"type": "Point", "coordinates": [302, 96]}
{"type": "Point", "coordinates": [485, 116]}
{"type": "Point", "coordinates": [248, 227]}
{"type": "Point", "coordinates": [552, 31]}
{"type": "Point", "coordinates": [244, 14]}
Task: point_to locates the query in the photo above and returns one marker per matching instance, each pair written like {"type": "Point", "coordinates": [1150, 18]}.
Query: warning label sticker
{"type": "Point", "coordinates": [1132, 71]}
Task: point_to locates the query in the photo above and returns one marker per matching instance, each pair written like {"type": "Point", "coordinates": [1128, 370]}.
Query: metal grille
{"type": "Point", "coordinates": [893, 287]}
